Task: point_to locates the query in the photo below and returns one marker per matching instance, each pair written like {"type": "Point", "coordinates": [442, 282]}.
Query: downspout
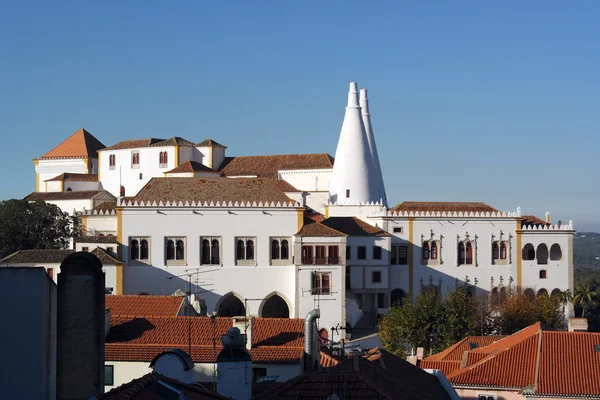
{"type": "Point", "coordinates": [309, 337]}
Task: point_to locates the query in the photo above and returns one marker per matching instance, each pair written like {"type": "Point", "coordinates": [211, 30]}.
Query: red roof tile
{"type": "Point", "coordinates": [456, 351]}
{"type": "Point", "coordinates": [50, 256]}
{"type": "Point", "coordinates": [311, 228]}
{"type": "Point", "coordinates": [134, 144]}
{"type": "Point", "coordinates": [191, 166]}
{"type": "Point", "coordinates": [79, 145]}
{"type": "Point", "coordinates": [211, 189]}
{"type": "Point", "coordinates": [353, 226]}
{"type": "Point", "coordinates": [446, 367]}
{"type": "Point", "coordinates": [142, 305]}
{"type": "Point", "coordinates": [285, 186]}
{"type": "Point", "coordinates": [532, 220]}
{"type": "Point", "coordinates": [268, 166]}
{"type": "Point", "coordinates": [67, 176]}
{"type": "Point", "coordinates": [210, 143]}
{"type": "Point", "coordinates": [73, 195]}
{"type": "Point", "coordinates": [430, 206]}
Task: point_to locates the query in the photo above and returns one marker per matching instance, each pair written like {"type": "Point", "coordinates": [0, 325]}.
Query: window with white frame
{"type": "Point", "coordinates": [500, 252]}
{"type": "Point", "coordinates": [280, 250]}
{"type": "Point", "coordinates": [175, 250]}
{"type": "Point", "coordinates": [430, 252]}
{"type": "Point", "coordinates": [112, 161]}
{"type": "Point", "coordinates": [321, 283]}
{"type": "Point", "coordinates": [139, 249]}
{"type": "Point", "coordinates": [135, 159]}
{"type": "Point", "coordinates": [163, 159]}
{"type": "Point", "coordinates": [210, 250]}
{"type": "Point", "coordinates": [245, 248]}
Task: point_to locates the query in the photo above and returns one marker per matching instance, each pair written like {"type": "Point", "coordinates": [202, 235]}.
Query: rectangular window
{"type": "Point", "coordinates": [376, 277]}
{"type": "Point", "coordinates": [210, 250]}
{"type": "Point", "coordinates": [486, 397]}
{"type": "Point", "coordinates": [139, 249]}
{"type": "Point", "coordinates": [135, 159]}
{"type": "Point", "coordinates": [394, 256]}
{"type": "Point", "coordinates": [320, 257]}
{"type": "Point", "coordinates": [280, 251]}
{"type": "Point", "coordinates": [362, 253]}
{"type": "Point", "coordinates": [140, 176]}
{"type": "Point", "coordinates": [86, 249]}
{"type": "Point", "coordinates": [321, 283]}
{"type": "Point", "coordinates": [307, 255]}
{"type": "Point", "coordinates": [110, 249]}
{"type": "Point", "coordinates": [245, 253]}
{"type": "Point", "coordinates": [333, 257]}
{"type": "Point", "coordinates": [348, 278]}
{"type": "Point", "coordinates": [377, 253]}
{"type": "Point", "coordinates": [402, 255]}
{"type": "Point", "coordinates": [398, 229]}
{"type": "Point", "coordinates": [380, 300]}
{"type": "Point", "coordinates": [258, 373]}
{"type": "Point", "coordinates": [109, 375]}
{"type": "Point", "coordinates": [348, 252]}
{"type": "Point", "coordinates": [175, 251]}
{"type": "Point", "coordinates": [347, 193]}
{"type": "Point", "coordinates": [112, 161]}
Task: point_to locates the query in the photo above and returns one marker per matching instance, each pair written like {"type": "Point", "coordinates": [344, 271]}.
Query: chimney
{"type": "Point", "coordinates": [377, 182]}
{"type": "Point", "coordinates": [312, 354]}
{"type": "Point", "coordinates": [80, 327]}
{"type": "Point", "coordinates": [353, 167]}
{"type": "Point", "coordinates": [244, 324]}
{"type": "Point", "coordinates": [414, 359]}
{"type": "Point", "coordinates": [234, 365]}
{"type": "Point", "coordinates": [106, 322]}
{"type": "Point", "coordinates": [578, 325]}
{"type": "Point", "coordinates": [547, 217]}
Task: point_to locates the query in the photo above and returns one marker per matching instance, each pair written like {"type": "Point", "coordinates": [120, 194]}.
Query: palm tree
{"type": "Point", "coordinates": [584, 297]}
{"type": "Point", "coordinates": [565, 296]}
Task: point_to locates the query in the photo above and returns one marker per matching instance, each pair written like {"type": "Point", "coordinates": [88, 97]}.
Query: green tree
{"type": "Point", "coordinates": [518, 311]}
{"type": "Point", "coordinates": [585, 297]}
{"type": "Point", "coordinates": [32, 225]}
{"type": "Point", "coordinates": [463, 316]}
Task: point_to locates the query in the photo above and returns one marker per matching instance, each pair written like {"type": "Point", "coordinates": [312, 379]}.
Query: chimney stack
{"type": "Point", "coordinates": [578, 325]}
{"type": "Point", "coordinates": [311, 340]}
{"type": "Point", "coordinates": [547, 217]}
{"type": "Point", "coordinates": [234, 365]}
{"type": "Point", "coordinates": [244, 324]}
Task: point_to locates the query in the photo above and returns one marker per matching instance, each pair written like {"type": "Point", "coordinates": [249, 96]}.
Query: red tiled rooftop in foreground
{"type": "Point", "coordinates": [535, 360]}
{"type": "Point", "coordinates": [143, 305]}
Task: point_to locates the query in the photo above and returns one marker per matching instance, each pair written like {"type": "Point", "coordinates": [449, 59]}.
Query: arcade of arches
{"type": "Point", "coordinates": [274, 306]}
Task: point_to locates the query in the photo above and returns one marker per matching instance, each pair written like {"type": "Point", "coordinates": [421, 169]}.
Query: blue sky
{"type": "Point", "coordinates": [470, 100]}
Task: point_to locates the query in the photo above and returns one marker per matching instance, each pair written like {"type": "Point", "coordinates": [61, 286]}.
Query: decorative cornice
{"type": "Point", "coordinates": [211, 204]}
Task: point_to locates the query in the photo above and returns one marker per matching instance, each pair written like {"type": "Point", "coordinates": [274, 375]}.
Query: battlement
{"type": "Point", "coordinates": [453, 214]}
{"type": "Point", "coordinates": [568, 227]}
{"type": "Point", "coordinates": [205, 204]}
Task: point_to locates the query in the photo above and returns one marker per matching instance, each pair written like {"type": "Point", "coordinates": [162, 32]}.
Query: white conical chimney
{"type": "Point", "coordinates": [378, 186]}
{"type": "Point", "coordinates": [352, 170]}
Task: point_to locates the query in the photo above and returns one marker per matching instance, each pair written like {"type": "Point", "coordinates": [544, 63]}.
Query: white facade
{"type": "Point", "coordinates": [50, 168]}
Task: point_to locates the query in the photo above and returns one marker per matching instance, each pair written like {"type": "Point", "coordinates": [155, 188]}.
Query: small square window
{"type": "Point", "coordinates": [110, 249]}
{"type": "Point", "coordinates": [398, 229]}
{"type": "Point", "coordinates": [376, 277]}
{"type": "Point", "coordinates": [362, 253]}
{"type": "Point", "coordinates": [86, 249]}
{"type": "Point", "coordinates": [109, 375]}
{"type": "Point", "coordinates": [376, 253]}
{"type": "Point", "coordinates": [140, 176]}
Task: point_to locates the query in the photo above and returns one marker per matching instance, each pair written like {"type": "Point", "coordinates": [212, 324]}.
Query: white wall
{"type": "Point", "coordinates": [316, 201]}
{"type": "Point", "coordinates": [28, 345]}
{"type": "Point", "coordinates": [48, 169]}
{"type": "Point", "coordinates": [308, 180]}
{"type": "Point", "coordinates": [69, 206]}
{"type": "Point", "coordinates": [102, 223]}
{"type": "Point", "coordinates": [79, 185]}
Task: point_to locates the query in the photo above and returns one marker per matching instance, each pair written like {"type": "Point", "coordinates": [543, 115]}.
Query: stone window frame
{"type": "Point", "coordinates": [175, 261]}
{"type": "Point", "coordinates": [280, 261]}
{"type": "Point", "coordinates": [317, 290]}
{"type": "Point", "coordinates": [212, 258]}
{"type": "Point", "coordinates": [467, 239]}
{"type": "Point", "coordinates": [499, 240]}
{"type": "Point", "coordinates": [439, 244]}
{"type": "Point", "coordinates": [135, 159]}
{"type": "Point", "coordinates": [245, 261]}
{"type": "Point", "coordinates": [139, 260]}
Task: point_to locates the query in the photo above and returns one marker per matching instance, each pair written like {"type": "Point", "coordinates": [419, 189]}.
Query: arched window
{"type": "Point", "coordinates": [122, 191]}
{"type": "Point", "coordinates": [528, 252]}
{"type": "Point", "coordinates": [275, 250]}
{"type": "Point", "coordinates": [542, 254]}
{"type": "Point", "coordinates": [495, 251]}
{"type": "Point", "coordinates": [239, 250]}
{"type": "Point", "coordinates": [205, 251]}
{"type": "Point", "coordinates": [285, 251]}
{"type": "Point", "coordinates": [166, 158]}
{"type": "Point", "coordinates": [170, 250]}
{"type": "Point", "coordinates": [543, 274]}
{"type": "Point", "coordinates": [144, 250]}
{"type": "Point", "coordinates": [249, 250]}
{"type": "Point", "coordinates": [215, 257]}
{"type": "Point", "coordinates": [469, 255]}
{"type": "Point", "coordinates": [555, 252]}
{"type": "Point", "coordinates": [179, 254]}
{"type": "Point", "coordinates": [433, 253]}
{"type": "Point", "coordinates": [160, 158]}
{"type": "Point", "coordinates": [135, 250]}
{"type": "Point", "coordinates": [503, 251]}
{"type": "Point", "coordinates": [425, 250]}
{"type": "Point", "coordinates": [461, 253]}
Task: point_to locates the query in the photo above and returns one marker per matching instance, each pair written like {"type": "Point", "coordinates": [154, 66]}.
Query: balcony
{"type": "Point", "coordinates": [320, 260]}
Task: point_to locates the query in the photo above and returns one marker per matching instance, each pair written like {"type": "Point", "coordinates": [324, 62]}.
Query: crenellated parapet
{"type": "Point", "coordinates": [569, 227]}
{"type": "Point", "coordinates": [452, 214]}
{"type": "Point", "coordinates": [206, 204]}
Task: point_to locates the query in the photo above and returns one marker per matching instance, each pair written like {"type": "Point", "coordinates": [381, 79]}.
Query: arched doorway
{"type": "Point", "coordinates": [275, 307]}
{"type": "Point", "coordinates": [230, 306]}
{"type": "Point", "coordinates": [396, 296]}
{"type": "Point", "coordinates": [556, 293]}
{"type": "Point", "coordinates": [529, 293]}
{"type": "Point", "coordinates": [542, 292]}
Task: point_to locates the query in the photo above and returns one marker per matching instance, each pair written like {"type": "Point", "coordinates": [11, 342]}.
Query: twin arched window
{"type": "Point", "coordinates": [499, 251]}
{"type": "Point", "coordinates": [465, 253]}
{"type": "Point", "coordinates": [175, 249]}
{"type": "Point", "coordinates": [280, 249]}
{"type": "Point", "coordinates": [163, 159]}
{"type": "Point", "coordinates": [244, 249]}
{"type": "Point", "coordinates": [430, 250]}
{"type": "Point", "coordinates": [138, 249]}
{"type": "Point", "coordinates": [210, 251]}
{"type": "Point", "coordinates": [112, 161]}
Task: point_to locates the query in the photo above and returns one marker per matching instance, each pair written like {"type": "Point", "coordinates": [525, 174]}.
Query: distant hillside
{"type": "Point", "coordinates": [586, 250]}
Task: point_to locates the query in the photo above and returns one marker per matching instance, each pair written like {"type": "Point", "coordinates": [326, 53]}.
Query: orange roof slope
{"type": "Point", "coordinates": [79, 145]}
{"type": "Point", "coordinates": [267, 166]}
{"type": "Point", "coordinates": [143, 305]}
{"type": "Point", "coordinates": [68, 176]}
{"type": "Point", "coordinates": [456, 351]}
{"type": "Point", "coordinates": [353, 226]}
{"type": "Point", "coordinates": [191, 166]}
{"type": "Point", "coordinates": [458, 206]}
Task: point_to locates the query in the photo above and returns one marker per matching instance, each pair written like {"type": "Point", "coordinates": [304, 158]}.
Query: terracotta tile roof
{"type": "Point", "coordinates": [96, 239]}
{"type": "Point", "coordinates": [50, 256]}
{"type": "Point", "coordinates": [532, 220]}
{"type": "Point", "coordinates": [456, 351]}
{"type": "Point", "coordinates": [443, 206]}
{"type": "Point", "coordinates": [134, 144]}
{"type": "Point", "coordinates": [141, 338]}
{"type": "Point", "coordinates": [67, 176]}
{"type": "Point", "coordinates": [211, 189]}
{"type": "Point", "coordinates": [312, 228]}
{"type": "Point", "coordinates": [446, 367]}
{"type": "Point", "coordinates": [191, 166]}
{"type": "Point", "coordinates": [268, 166]}
{"type": "Point", "coordinates": [142, 389]}
{"type": "Point", "coordinates": [210, 143]}
{"type": "Point", "coordinates": [106, 206]}
{"type": "Point", "coordinates": [313, 216]}
{"type": "Point", "coordinates": [285, 186]}
{"type": "Point", "coordinates": [174, 141]}
{"type": "Point", "coordinates": [74, 195]}
{"type": "Point", "coordinates": [564, 364]}
{"type": "Point", "coordinates": [79, 145]}
{"type": "Point", "coordinates": [353, 226]}
{"type": "Point", "coordinates": [105, 257]}
{"type": "Point", "coordinates": [128, 305]}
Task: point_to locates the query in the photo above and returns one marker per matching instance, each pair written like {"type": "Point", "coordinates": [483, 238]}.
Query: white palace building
{"type": "Point", "coordinates": [280, 235]}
